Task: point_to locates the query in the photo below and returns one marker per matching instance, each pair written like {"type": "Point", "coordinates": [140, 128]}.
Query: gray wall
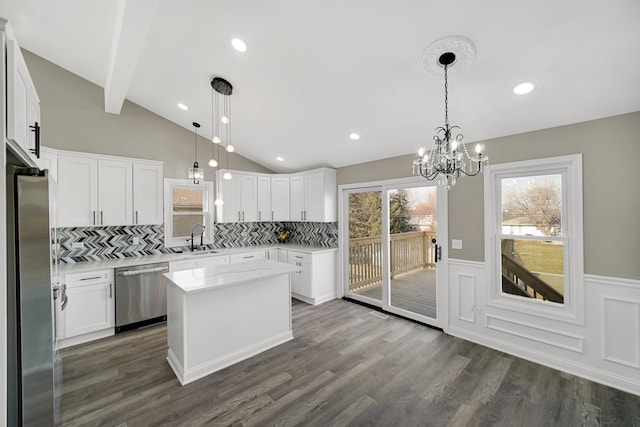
{"type": "Point", "coordinates": [611, 186]}
{"type": "Point", "coordinates": [73, 118]}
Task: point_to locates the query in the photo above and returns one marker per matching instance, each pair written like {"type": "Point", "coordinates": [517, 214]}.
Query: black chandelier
{"type": "Point", "coordinates": [448, 158]}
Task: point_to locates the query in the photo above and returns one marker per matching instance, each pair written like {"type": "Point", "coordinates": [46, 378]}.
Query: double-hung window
{"type": "Point", "coordinates": [188, 209]}
{"type": "Point", "coordinates": [533, 224]}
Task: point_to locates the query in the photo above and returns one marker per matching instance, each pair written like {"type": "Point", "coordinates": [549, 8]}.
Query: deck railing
{"type": "Point", "coordinates": [408, 252]}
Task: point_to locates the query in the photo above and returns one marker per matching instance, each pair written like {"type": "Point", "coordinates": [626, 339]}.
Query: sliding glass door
{"type": "Point", "coordinates": [412, 241]}
{"type": "Point", "coordinates": [390, 236]}
{"type": "Point", "coordinates": [365, 245]}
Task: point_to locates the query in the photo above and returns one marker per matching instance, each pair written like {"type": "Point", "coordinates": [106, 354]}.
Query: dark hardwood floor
{"type": "Point", "coordinates": [344, 367]}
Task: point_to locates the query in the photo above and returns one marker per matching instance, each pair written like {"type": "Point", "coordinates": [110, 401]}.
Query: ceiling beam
{"type": "Point", "coordinates": [133, 19]}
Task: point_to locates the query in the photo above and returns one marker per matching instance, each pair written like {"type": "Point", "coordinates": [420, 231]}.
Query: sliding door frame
{"type": "Point", "coordinates": [442, 271]}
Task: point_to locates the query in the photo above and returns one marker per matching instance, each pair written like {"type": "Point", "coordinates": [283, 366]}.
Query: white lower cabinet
{"type": "Point", "coordinates": [316, 283]}
{"type": "Point", "coordinates": [89, 310]}
{"type": "Point", "coordinates": [247, 256]}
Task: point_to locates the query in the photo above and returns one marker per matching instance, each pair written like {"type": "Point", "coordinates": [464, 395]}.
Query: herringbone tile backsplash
{"type": "Point", "coordinates": [101, 243]}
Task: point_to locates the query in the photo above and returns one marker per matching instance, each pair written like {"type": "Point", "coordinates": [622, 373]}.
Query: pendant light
{"type": "Point", "coordinates": [195, 173]}
{"type": "Point", "coordinates": [222, 87]}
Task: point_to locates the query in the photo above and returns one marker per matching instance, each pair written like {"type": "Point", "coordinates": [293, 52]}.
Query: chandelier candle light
{"type": "Point", "coordinates": [448, 158]}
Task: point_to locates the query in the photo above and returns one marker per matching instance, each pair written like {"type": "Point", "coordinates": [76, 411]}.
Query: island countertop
{"type": "Point", "coordinates": [208, 278]}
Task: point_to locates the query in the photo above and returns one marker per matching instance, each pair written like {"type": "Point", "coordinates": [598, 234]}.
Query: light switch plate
{"type": "Point", "coordinates": [456, 244]}
{"type": "Point", "coordinates": [77, 245]}
{"type": "Point", "coordinates": [136, 241]}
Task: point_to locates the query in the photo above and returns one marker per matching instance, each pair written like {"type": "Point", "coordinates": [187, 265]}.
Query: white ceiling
{"type": "Point", "coordinates": [316, 71]}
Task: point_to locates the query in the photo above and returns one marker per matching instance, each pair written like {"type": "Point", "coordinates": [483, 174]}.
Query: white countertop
{"type": "Point", "coordinates": [79, 267]}
{"type": "Point", "coordinates": [210, 278]}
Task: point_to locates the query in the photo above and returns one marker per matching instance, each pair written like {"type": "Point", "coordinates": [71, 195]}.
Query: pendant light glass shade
{"type": "Point", "coordinates": [195, 173]}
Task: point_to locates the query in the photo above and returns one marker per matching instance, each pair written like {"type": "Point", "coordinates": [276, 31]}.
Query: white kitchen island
{"type": "Point", "coordinates": [218, 316]}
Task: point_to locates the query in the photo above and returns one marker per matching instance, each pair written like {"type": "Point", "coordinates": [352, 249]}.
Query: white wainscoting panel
{"type": "Point", "coordinates": [605, 348]}
{"type": "Point", "coordinates": [621, 331]}
{"type": "Point", "coordinates": [532, 332]}
{"type": "Point", "coordinates": [466, 287]}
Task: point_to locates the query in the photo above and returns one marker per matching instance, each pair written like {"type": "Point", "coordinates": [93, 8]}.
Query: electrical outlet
{"type": "Point", "coordinates": [77, 245]}
{"type": "Point", "coordinates": [136, 241]}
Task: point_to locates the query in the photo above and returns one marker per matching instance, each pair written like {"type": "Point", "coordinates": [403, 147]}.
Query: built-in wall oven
{"type": "Point", "coordinates": [141, 296]}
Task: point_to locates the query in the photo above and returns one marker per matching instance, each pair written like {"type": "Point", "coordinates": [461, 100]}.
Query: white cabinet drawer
{"type": "Point", "coordinates": [299, 256]}
{"type": "Point", "coordinates": [247, 256]}
{"type": "Point", "coordinates": [88, 278]}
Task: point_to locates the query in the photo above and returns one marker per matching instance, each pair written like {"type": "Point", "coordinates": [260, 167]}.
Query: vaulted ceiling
{"type": "Point", "coordinates": [314, 72]}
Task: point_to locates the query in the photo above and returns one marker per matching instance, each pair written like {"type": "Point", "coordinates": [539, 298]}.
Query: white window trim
{"type": "Point", "coordinates": [169, 183]}
{"type": "Point", "coordinates": [572, 311]}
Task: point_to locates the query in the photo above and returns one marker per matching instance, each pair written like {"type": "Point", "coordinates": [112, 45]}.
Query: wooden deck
{"type": "Point", "coordinates": [415, 291]}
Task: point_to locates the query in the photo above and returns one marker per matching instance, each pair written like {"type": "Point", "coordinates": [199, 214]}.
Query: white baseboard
{"type": "Point", "coordinates": [84, 338]}
{"type": "Point", "coordinates": [186, 376]}
{"type": "Point", "coordinates": [627, 384]}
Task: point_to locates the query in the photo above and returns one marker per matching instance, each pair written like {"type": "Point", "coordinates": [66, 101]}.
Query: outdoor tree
{"type": "Point", "coordinates": [365, 214]}
{"type": "Point", "coordinates": [540, 202]}
{"type": "Point", "coordinates": [399, 212]}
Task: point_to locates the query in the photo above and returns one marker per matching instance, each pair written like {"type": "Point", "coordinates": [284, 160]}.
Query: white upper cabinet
{"type": "Point", "coordinates": [280, 198]}
{"type": "Point", "coordinates": [77, 191]}
{"type": "Point", "coordinates": [147, 193]}
{"type": "Point", "coordinates": [23, 105]}
{"type": "Point", "coordinates": [264, 198]}
{"type": "Point", "coordinates": [115, 193]}
{"type": "Point", "coordinates": [240, 196]}
{"type": "Point", "coordinates": [106, 190]}
{"type": "Point", "coordinates": [305, 196]}
{"type": "Point", "coordinates": [249, 198]}
{"type": "Point", "coordinates": [313, 196]}
{"type": "Point", "coordinates": [297, 198]}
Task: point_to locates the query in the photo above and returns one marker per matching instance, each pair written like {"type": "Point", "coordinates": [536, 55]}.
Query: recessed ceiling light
{"type": "Point", "coordinates": [239, 45]}
{"type": "Point", "coordinates": [354, 136]}
{"type": "Point", "coordinates": [280, 159]}
{"type": "Point", "coordinates": [524, 88]}
{"type": "Point", "coordinates": [182, 106]}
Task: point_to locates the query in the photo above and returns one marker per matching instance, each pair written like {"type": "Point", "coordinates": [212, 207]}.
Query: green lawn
{"type": "Point", "coordinates": [543, 258]}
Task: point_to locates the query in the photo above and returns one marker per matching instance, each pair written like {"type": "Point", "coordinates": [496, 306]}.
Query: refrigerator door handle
{"type": "Point", "coordinates": [65, 297]}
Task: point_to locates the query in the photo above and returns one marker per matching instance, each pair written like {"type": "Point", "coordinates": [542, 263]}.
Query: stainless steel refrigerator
{"type": "Point", "coordinates": [30, 335]}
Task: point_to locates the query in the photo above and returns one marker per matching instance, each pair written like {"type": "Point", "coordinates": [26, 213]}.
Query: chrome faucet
{"type": "Point", "coordinates": [201, 235]}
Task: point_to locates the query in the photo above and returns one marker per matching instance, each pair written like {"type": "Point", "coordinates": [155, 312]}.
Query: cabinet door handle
{"type": "Point", "coordinates": [36, 128]}
{"type": "Point", "coordinates": [136, 217]}
{"type": "Point", "coordinates": [259, 215]}
{"type": "Point", "coordinates": [110, 291]}
{"type": "Point", "coordinates": [101, 218]}
{"type": "Point", "coordinates": [243, 215]}
{"type": "Point", "coordinates": [301, 215]}
{"type": "Point", "coordinates": [238, 216]}
{"type": "Point", "coordinates": [91, 278]}
{"type": "Point", "coordinates": [249, 256]}
{"type": "Point", "coordinates": [94, 217]}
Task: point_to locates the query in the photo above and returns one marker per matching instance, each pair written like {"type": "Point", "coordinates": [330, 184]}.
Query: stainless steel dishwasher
{"type": "Point", "coordinates": [141, 296]}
